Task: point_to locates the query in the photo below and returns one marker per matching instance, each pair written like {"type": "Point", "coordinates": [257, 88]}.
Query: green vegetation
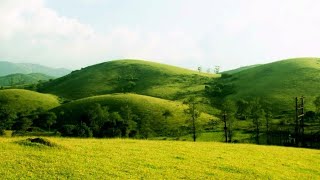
{"type": "Point", "coordinates": [7, 68]}
{"type": "Point", "coordinates": [23, 79]}
{"type": "Point", "coordinates": [142, 116]}
{"type": "Point", "coordinates": [279, 82]}
{"type": "Point", "coordinates": [140, 159]}
{"type": "Point", "coordinates": [233, 71]}
{"type": "Point", "coordinates": [156, 116]}
{"type": "Point", "coordinates": [141, 77]}
{"type": "Point", "coordinates": [21, 101]}
{"type": "Point", "coordinates": [140, 99]}
{"type": "Point", "coordinates": [19, 109]}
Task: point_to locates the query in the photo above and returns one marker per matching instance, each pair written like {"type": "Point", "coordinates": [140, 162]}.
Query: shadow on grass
{"type": "Point", "coordinates": [37, 142]}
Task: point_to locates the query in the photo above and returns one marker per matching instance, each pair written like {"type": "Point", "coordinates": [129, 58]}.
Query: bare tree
{"type": "Point", "coordinates": [228, 110]}
{"type": "Point", "coordinates": [217, 69]}
{"type": "Point", "coordinates": [194, 115]}
{"type": "Point", "coordinates": [199, 69]}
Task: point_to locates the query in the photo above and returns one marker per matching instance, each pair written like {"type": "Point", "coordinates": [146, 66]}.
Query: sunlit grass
{"type": "Point", "coordinates": [145, 159]}
{"type": "Point", "coordinates": [150, 78]}
{"type": "Point", "coordinates": [140, 105]}
{"type": "Point", "coordinates": [280, 82]}
{"type": "Point", "coordinates": [20, 100]}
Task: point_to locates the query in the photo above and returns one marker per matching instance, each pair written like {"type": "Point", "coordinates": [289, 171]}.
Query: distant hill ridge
{"type": "Point", "coordinates": [23, 79]}
{"type": "Point", "coordinates": [7, 68]}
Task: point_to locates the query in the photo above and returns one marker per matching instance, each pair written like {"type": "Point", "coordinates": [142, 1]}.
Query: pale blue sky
{"type": "Point", "coordinates": [187, 33]}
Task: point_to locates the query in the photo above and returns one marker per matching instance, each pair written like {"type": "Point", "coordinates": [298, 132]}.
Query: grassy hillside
{"type": "Point", "coordinates": [143, 106]}
{"type": "Point", "coordinates": [18, 100]}
{"type": "Point", "coordinates": [233, 71]}
{"type": "Point", "coordinates": [139, 159]}
{"type": "Point", "coordinates": [7, 68]}
{"type": "Point", "coordinates": [141, 77]}
{"type": "Point", "coordinates": [280, 82]}
{"type": "Point", "coordinates": [23, 79]}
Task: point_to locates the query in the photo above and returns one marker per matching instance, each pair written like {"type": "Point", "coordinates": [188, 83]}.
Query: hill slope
{"type": "Point", "coordinates": [280, 82]}
{"type": "Point", "coordinates": [7, 68]}
{"type": "Point", "coordinates": [233, 71]}
{"type": "Point", "coordinates": [142, 106]}
{"type": "Point", "coordinates": [17, 100]}
{"type": "Point", "coordinates": [139, 159]}
{"type": "Point", "coordinates": [23, 79]}
{"type": "Point", "coordinates": [141, 77]}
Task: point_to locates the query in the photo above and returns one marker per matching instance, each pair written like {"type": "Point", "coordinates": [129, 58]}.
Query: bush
{"type": "Point", "coordinates": [68, 130]}
{"type": "Point", "coordinates": [1, 131]}
{"type": "Point", "coordinates": [225, 76]}
{"type": "Point", "coordinates": [83, 130]}
{"type": "Point", "coordinates": [41, 141]}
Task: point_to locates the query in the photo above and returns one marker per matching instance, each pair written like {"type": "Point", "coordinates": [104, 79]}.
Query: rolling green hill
{"type": "Point", "coordinates": [17, 100]}
{"type": "Point", "coordinates": [142, 106]}
{"type": "Point", "coordinates": [141, 77]}
{"type": "Point", "coordinates": [23, 79]}
{"type": "Point", "coordinates": [233, 71]}
{"type": "Point", "coordinates": [280, 82]}
{"type": "Point", "coordinates": [7, 68]}
{"type": "Point", "coordinates": [141, 159]}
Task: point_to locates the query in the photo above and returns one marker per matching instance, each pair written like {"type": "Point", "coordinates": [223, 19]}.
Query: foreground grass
{"type": "Point", "coordinates": [136, 159]}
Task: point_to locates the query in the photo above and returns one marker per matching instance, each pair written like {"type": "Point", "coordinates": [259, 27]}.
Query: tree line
{"type": "Point", "coordinates": [265, 124]}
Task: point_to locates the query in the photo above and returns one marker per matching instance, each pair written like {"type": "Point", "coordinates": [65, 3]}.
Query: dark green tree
{"type": "Point", "coordinates": [228, 109]}
{"type": "Point", "coordinates": [128, 123]}
{"type": "Point", "coordinates": [97, 116]}
{"type": "Point", "coordinates": [113, 127]}
{"type": "Point", "coordinates": [192, 121]}
{"type": "Point", "coordinates": [22, 124]}
{"type": "Point", "coordinates": [42, 119]}
{"type": "Point", "coordinates": [166, 114]}
{"type": "Point", "coordinates": [267, 106]}
{"type": "Point", "coordinates": [69, 130]}
{"type": "Point", "coordinates": [145, 130]}
{"type": "Point", "coordinates": [82, 130]}
{"type": "Point", "coordinates": [243, 109]}
{"type": "Point", "coordinates": [257, 116]}
{"type": "Point", "coordinates": [7, 119]}
{"type": "Point", "coordinates": [316, 103]}
{"type": "Point", "coordinates": [50, 119]}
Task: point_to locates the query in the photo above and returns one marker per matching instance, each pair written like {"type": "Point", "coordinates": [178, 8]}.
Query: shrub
{"type": "Point", "coordinates": [83, 130]}
{"type": "Point", "coordinates": [68, 130]}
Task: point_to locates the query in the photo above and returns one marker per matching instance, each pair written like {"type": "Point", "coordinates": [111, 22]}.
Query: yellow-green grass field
{"type": "Point", "coordinates": [146, 159]}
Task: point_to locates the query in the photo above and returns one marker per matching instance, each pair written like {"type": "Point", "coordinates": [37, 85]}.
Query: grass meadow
{"type": "Point", "coordinates": [149, 159]}
{"type": "Point", "coordinates": [20, 100]}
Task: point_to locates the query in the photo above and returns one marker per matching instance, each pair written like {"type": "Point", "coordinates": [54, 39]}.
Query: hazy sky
{"type": "Point", "coordinates": [188, 33]}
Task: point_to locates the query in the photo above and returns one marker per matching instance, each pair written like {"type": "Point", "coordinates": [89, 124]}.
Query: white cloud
{"type": "Point", "coordinates": [206, 33]}
{"type": "Point", "coordinates": [37, 34]}
{"type": "Point", "coordinates": [32, 31]}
